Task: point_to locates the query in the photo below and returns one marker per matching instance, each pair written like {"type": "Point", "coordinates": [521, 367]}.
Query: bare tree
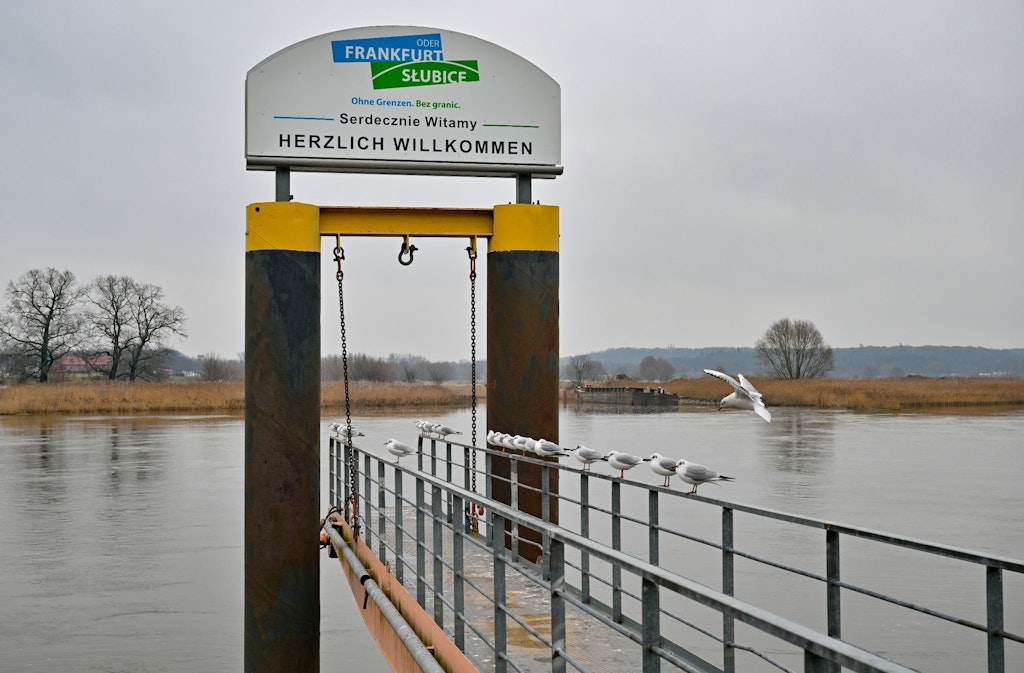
{"type": "Point", "coordinates": [42, 322]}
{"type": "Point", "coordinates": [582, 368]}
{"type": "Point", "coordinates": [153, 322]}
{"type": "Point", "coordinates": [362, 367]}
{"type": "Point", "coordinates": [439, 372]}
{"type": "Point", "coordinates": [794, 349]}
{"type": "Point", "coordinates": [109, 316]}
{"type": "Point", "coordinates": [655, 369]}
{"type": "Point", "coordinates": [213, 368]}
{"type": "Point", "coordinates": [408, 366]}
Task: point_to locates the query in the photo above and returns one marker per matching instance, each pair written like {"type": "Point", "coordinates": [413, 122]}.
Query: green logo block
{"type": "Point", "coordinates": [389, 75]}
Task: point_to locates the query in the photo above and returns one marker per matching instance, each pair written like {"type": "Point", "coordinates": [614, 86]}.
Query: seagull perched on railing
{"type": "Point", "coordinates": [587, 456]}
{"type": "Point", "coordinates": [342, 430]}
{"type": "Point", "coordinates": [547, 449]}
{"type": "Point", "coordinates": [697, 474]}
{"type": "Point", "coordinates": [398, 449]}
{"type": "Point", "coordinates": [744, 395]}
{"type": "Point", "coordinates": [442, 430]}
{"type": "Point", "coordinates": [666, 467]}
{"type": "Point", "coordinates": [622, 461]}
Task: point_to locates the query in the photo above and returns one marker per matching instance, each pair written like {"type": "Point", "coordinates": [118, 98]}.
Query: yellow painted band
{"type": "Point", "coordinates": [282, 225]}
{"type": "Point", "coordinates": [524, 226]}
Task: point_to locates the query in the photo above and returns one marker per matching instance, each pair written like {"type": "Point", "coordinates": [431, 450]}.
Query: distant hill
{"type": "Point", "coordinates": [861, 362]}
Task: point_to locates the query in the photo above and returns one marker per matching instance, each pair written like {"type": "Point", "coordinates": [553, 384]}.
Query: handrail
{"type": "Point", "coordinates": [811, 641]}
{"type": "Point", "coordinates": [429, 475]}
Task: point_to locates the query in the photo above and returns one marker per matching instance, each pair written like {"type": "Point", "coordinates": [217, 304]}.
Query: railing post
{"type": "Point", "coordinates": [616, 545]}
{"type": "Point", "coordinates": [514, 492]}
{"type": "Point", "coordinates": [367, 506]}
{"type": "Point", "coordinates": [399, 527]}
{"type": "Point", "coordinates": [421, 545]}
{"type": "Point", "coordinates": [346, 470]}
{"type": "Point", "coordinates": [438, 552]}
{"type": "Point", "coordinates": [381, 519]}
{"type": "Point", "coordinates": [500, 633]}
{"type": "Point", "coordinates": [337, 474]}
{"type": "Point", "coordinates": [545, 514]}
{"type": "Point", "coordinates": [728, 588]}
{"type": "Point", "coordinates": [650, 637]}
{"type": "Point", "coordinates": [556, 566]}
{"type": "Point", "coordinates": [994, 610]}
{"type": "Point", "coordinates": [833, 590]}
{"type": "Point", "coordinates": [585, 532]}
{"type": "Point", "coordinates": [814, 663]}
{"type": "Point", "coordinates": [448, 472]}
{"type": "Point", "coordinates": [332, 494]}
{"type": "Point", "coordinates": [653, 554]}
{"type": "Point", "coordinates": [488, 482]}
{"type": "Point", "coordinates": [459, 572]}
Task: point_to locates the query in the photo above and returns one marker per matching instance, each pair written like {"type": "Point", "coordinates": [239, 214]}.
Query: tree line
{"type": "Point", "coordinates": [113, 326]}
{"type": "Point", "coordinates": [361, 367]}
{"type": "Point", "coordinates": [788, 349]}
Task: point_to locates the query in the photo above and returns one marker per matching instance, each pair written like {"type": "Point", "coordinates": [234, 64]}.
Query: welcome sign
{"type": "Point", "coordinates": [398, 99]}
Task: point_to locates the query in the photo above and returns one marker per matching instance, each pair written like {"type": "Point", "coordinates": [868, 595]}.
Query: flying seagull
{"type": "Point", "coordinates": [744, 395]}
{"type": "Point", "coordinates": [663, 466]}
{"type": "Point", "coordinates": [586, 455]}
{"type": "Point", "coordinates": [622, 461]}
{"type": "Point", "coordinates": [697, 474]}
{"type": "Point", "coordinates": [398, 449]}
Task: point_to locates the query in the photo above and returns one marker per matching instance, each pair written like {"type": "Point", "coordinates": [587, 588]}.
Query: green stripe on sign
{"type": "Point", "coordinates": [389, 75]}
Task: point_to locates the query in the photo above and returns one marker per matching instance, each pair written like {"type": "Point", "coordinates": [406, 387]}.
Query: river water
{"type": "Point", "coordinates": [121, 538]}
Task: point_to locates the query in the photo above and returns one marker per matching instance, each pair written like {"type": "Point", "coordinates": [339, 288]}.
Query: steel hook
{"type": "Point", "coordinates": [406, 248]}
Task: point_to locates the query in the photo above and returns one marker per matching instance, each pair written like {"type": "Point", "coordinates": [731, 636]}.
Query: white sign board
{"type": "Point", "coordinates": [399, 99]}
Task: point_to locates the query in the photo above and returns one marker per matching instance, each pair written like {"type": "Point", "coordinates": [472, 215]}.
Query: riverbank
{"type": "Point", "coordinates": [905, 394]}
{"type": "Point", "coordinates": [121, 397]}
{"type": "Point", "coordinates": [912, 393]}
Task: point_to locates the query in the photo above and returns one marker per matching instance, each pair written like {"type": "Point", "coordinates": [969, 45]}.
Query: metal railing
{"type": "Point", "coordinates": [603, 604]}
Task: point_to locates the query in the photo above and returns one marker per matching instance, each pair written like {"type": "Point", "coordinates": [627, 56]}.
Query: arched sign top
{"type": "Point", "coordinates": [402, 99]}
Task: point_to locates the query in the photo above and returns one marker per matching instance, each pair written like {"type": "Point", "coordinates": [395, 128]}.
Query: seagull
{"type": "Point", "coordinates": [491, 437]}
{"type": "Point", "coordinates": [398, 449]}
{"type": "Point", "coordinates": [697, 474]}
{"type": "Point", "coordinates": [343, 430]}
{"type": "Point", "coordinates": [622, 461]}
{"type": "Point", "coordinates": [744, 395]}
{"type": "Point", "coordinates": [586, 455]}
{"type": "Point", "coordinates": [666, 467]}
{"type": "Point", "coordinates": [444, 430]}
{"type": "Point", "coordinates": [425, 427]}
{"type": "Point", "coordinates": [546, 449]}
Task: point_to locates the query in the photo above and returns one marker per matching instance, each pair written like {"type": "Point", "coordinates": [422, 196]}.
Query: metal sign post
{"type": "Point", "coordinates": [385, 99]}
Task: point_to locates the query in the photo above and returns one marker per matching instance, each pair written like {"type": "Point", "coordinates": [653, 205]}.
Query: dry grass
{"type": "Point", "coordinates": [104, 397]}
{"type": "Point", "coordinates": [865, 394]}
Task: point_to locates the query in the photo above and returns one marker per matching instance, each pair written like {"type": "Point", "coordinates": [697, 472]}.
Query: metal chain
{"type": "Point", "coordinates": [475, 511]}
{"type": "Point", "coordinates": [472, 340]}
{"type": "Point", "coordinates": [350, 456]}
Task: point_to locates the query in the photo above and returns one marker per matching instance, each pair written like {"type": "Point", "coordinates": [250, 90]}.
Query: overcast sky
{"type": "Point", "coordinates": [856, 164]}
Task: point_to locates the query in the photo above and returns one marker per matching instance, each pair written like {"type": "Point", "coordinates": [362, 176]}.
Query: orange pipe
{"type": "Point", "coordinates": [450, 657]}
